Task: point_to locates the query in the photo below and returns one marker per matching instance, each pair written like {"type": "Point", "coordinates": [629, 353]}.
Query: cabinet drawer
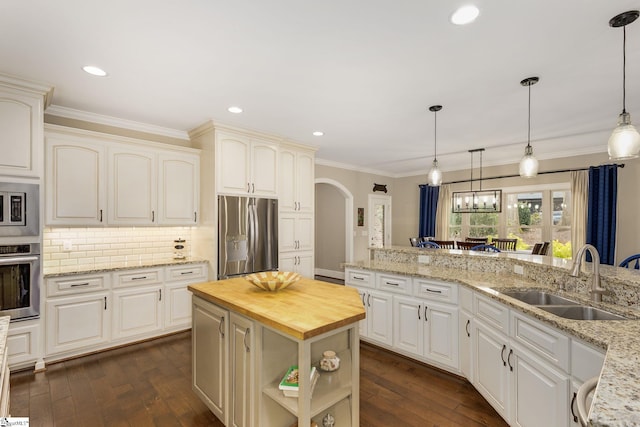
{"type": "Point", "coordinates": [128, 278]}
{"type": "Point", "coordinates": [393, 283]}
{"type": "Point", "coordinates": [586, 361]}
{"type": "Point", "coordinates": [360, 278]}
{"type": "Point", "coordinates": [492, 312]}
{"type": "Point", "coordinates": [190, 272]}
{"type": "Point", "coordinates": [541, 339]}
{"type": "Point", "coordinates": [76, 284]}
{"type": "Point", "coordinates": [438, 291]}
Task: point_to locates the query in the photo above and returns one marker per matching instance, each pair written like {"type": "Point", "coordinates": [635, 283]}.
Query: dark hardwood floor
{"type": "Point", "coordinates": [149, 384]}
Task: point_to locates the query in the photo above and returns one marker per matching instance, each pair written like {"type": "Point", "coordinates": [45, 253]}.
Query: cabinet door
{"type": "Point", "coordinates": [210, 356]}
{"type": "Point", "coordinates": [287, 181]}
{"type": "Point", "coordinates": [379, 313]}
{"type": "Point", "coordinates": [540, 392]}
{"type": "Point", "coordinates": [465, 344]}
{"type": "Point", "coordinates": [76, 322]}
{"type": "Point", "coordinates": [76, 182]}
{"type": "Point", "coordinates": [305, 265]}
{"type": "Point", "coordinates": [287, 233]}
{"type": "Point", "coordinates": [233, 156]}
{"type": "Point", "coordinates": [242, 351]}
{"type": "Point", "coordinates": [305, 184]}
{"type": "Point", "coordinates": [490, 369]}
{"type": "Point", "coordinates": [132, 187]}
{"type": "Point", "coordinates": [264, 164]}
{"type": "Point", "coordinates": [177, 306]}
{"type": "Point", "coordinates": [441, 333]}
{"type": "Point", "coordinates": [137, 311]}
{"type": "Point", "coordinates": [178, 189]}
{"type": "Point", "coordinates": [362, 324]}
{"type": "Point", "coordinates": [408, 317]}
{"type": "Point", "coordinates": [23, 343]}
{"type": "Point", "coordinates": [304, 232]}
{"type": "Point", "coordinates": [21, 123]}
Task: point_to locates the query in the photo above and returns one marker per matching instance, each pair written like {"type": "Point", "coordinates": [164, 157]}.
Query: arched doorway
{"type": "Point", "coordinates": [325, 243]}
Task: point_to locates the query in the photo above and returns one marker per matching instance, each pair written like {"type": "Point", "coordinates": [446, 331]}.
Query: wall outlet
{"type": "Point", "coordinates": [518, 269]}
{"type": "Point", "coordinates": [66, 245]}
{"type": "Point", "coordinates": [424, 259]}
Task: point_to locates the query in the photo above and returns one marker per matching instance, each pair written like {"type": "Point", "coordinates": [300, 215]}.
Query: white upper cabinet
{"type": "Point", "coordinates": [296, 185]}
{"type": "Point", "coordinates": [21, 127]}
{"type": "Point", "coordinates": [76, 191]}
{"type": "Point", "coordinates": [178, 189]}
{"type": "Point", "coordinates": [132, 186]}
{"type": "Point", "coordinates": [245, 165]}
{"type": "Point", "coordinates": [96, 179]}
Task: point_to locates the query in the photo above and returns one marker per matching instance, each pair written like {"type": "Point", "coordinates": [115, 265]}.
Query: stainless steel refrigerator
{"type": "Point", "coordinates": [247, 235]}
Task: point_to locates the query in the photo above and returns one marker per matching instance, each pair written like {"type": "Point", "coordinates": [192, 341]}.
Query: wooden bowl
{"type": "Point", "coordinates": [273, 280]}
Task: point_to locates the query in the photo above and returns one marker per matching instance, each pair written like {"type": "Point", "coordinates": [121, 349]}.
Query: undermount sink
{"type": "Point", "coordinates": [581, 312]}
{"type": "Point", "coordinates": [538, 298]}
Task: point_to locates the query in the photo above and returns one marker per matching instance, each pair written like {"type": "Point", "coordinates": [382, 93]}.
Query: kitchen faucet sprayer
{"type": "Point", "coordinates": [596, 290]}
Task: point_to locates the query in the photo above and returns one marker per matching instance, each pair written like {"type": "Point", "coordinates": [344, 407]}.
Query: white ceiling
{"type": "Point", "coordinates": [362, 71]}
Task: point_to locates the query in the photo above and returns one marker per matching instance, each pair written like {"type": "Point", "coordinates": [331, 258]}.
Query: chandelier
{"type": "Point", "coordinates": [476, 201]}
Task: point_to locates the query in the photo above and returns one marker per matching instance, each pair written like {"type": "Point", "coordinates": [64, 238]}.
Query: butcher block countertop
{"type": "Point", "coordinates": [305, 309]}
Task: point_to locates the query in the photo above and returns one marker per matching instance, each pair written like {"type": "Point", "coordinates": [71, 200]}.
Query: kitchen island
{"type": "Point", "coordinates": [245, 339]}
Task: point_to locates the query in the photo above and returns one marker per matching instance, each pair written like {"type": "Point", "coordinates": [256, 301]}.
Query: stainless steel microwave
{"type": "Point", "coordinates": [19, 209]}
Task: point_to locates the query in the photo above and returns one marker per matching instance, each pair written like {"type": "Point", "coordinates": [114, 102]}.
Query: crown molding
{"type": "Point", "coordinates": [70, 113]}
{"type": "Point", "coordinates": [40, 88]}
{"type": "Point", "coordinates": [339, 165]}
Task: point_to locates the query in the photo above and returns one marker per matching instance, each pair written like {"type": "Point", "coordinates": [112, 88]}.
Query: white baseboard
{"type": "Point", "coordinates": [330, 273]}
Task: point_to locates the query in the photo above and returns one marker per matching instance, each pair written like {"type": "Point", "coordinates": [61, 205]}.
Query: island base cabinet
{"type": "Point", "coordinates": [242, 359]}
{"type": "Point", "coordinates": [210, 338]}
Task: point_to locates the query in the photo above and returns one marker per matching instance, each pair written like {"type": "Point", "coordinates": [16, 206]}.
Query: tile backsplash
{"type": "Point", "coordinates": [65, 247]}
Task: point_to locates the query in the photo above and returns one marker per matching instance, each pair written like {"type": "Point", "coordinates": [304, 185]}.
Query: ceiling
{"type": "Point", "coordinates": [362, 71]}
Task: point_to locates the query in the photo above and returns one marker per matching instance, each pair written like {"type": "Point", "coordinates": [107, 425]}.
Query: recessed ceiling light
{"type": "Point", "coordinates": [94, 71]}
{"type": "Point", "coordinates": [235, 110]}
{"type": "Point", "coordinates": [465, 15]}
{"type": "Point", "coordinates": [318, 133]}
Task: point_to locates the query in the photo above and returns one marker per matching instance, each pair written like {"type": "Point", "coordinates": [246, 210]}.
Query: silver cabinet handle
{"type": "Point", "coordinates": [153, 216]}
{"type": "Point", "coordinates": [433, 291]}
{"type": "Point", "coordinates": [357, 278]}
{"type": "Point", "coordinates": [186, 272]}
{"type": "Point", "coordinates": [509, 360]}
{"type": "Point", "coordinates": [105, 303]}
{"type": "Point", "coordinates": [466, 328]}
{"type": "Point", "coordinates": [504, 347]}
{"type": "Point", "coordinates": [253, 188]}
{"type": "Point", "coordinates": [244, 341]}
{"type": "Point", "coordinates": [100, 215]}
{"type": "Point", "coordinates": [369, 300]}
{"type": "Point", "coordinates": [159, 294]}
{"type": "Point", "coordinates": [195, 217]}
{"type": "Point", "coordinates": [419, 307]}
{"type": "Point", "coordinates": [363, 303]}
{"type": "Point", "coordinates": [75, 285]}
{"type": "Point", "coordinates": [221, 327]}
{"type": "Point", "coordinates": [391, 283]}
{"type": "Point", "coordinates": [139, 278]}
{"type": "Point", "coordinates": [425, 313]}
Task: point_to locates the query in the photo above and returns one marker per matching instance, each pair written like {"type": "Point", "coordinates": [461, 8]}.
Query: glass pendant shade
{"type": "Point", "coordinates": [435, 174]}
{"type": "Point", "coordinates": [624, 142]}
{"type": "Point", "coordinates": [528, 164]}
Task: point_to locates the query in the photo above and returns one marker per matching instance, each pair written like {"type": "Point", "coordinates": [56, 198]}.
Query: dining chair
{"type": "Point", "coordinates": [467, 245]}
{"type": "Point", "coordinates": [429, 244]}
{"type": "Point", "coordinates": [485, 248]}
{"type": "Point", "coordinates": [478, 240]}
{"type": "Point", "coordinates": [505, 244]}
{"type": "Point", "coordinates": [445, 244]}
{"type": "Point", "coordinates": [545, 248]}
{"type": "Point", "coordinates": [627, 261]}
{"type": "Point", "coordinates": [414, 241]}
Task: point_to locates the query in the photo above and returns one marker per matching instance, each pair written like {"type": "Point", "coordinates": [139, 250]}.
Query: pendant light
{"type": "Point", "coordinates": [434, 177]}
{"type": "Point", "coordinates": [624, 142]}
{"type": "Point", "coordinates": [529, 164]}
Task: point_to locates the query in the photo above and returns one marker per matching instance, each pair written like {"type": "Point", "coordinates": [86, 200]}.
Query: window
{"type": "Point", "coordinates": [532, 215]}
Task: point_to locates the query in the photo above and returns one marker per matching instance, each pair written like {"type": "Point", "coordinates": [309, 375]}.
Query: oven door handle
{"type": "Point", "coordinates": [19, 260]}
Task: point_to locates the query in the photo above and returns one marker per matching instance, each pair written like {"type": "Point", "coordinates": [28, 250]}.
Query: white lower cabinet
{"type": "Point", "coordinates": [77, 322]}
{"type": "Point", "coordinates": [23, 344]}
{"type": "Point", "coordinates": [242, 351]}
{"type": "Point", "coordinates": [426, 329]}
{"type": "Point", "coordinates": [465, 326]}
{"type": "Point", "coordinates": [137, 311]}
{"type": "Point", "coordinates": [379, 308]}
{"type": "Point", "coordinates": [89, 312]}
{"type": "Point", "coordinates": [210, 353]}
{"type": "Point", "coordinates": [491, 375]}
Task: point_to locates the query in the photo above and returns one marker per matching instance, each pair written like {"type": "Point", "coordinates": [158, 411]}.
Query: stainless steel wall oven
{"type": "Point", "coordinates": [20, 280]}
{"type": "Point", "coordinates": [19, 209]}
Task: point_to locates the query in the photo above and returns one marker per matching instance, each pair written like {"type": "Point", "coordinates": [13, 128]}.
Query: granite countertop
{"type": "Point", "coordinates": [301, 310]}
{"type": "Point", "coordinates": [617, 398]}
{"type": "Point", "coordinates": [120, 265]}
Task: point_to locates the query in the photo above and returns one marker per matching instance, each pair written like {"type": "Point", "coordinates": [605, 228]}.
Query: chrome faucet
{"type": "Point", "coordinates": [596, 290]}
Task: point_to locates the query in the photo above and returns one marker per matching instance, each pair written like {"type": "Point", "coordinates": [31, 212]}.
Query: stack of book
{"type": "Point", "coordinates": [289, 384]}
